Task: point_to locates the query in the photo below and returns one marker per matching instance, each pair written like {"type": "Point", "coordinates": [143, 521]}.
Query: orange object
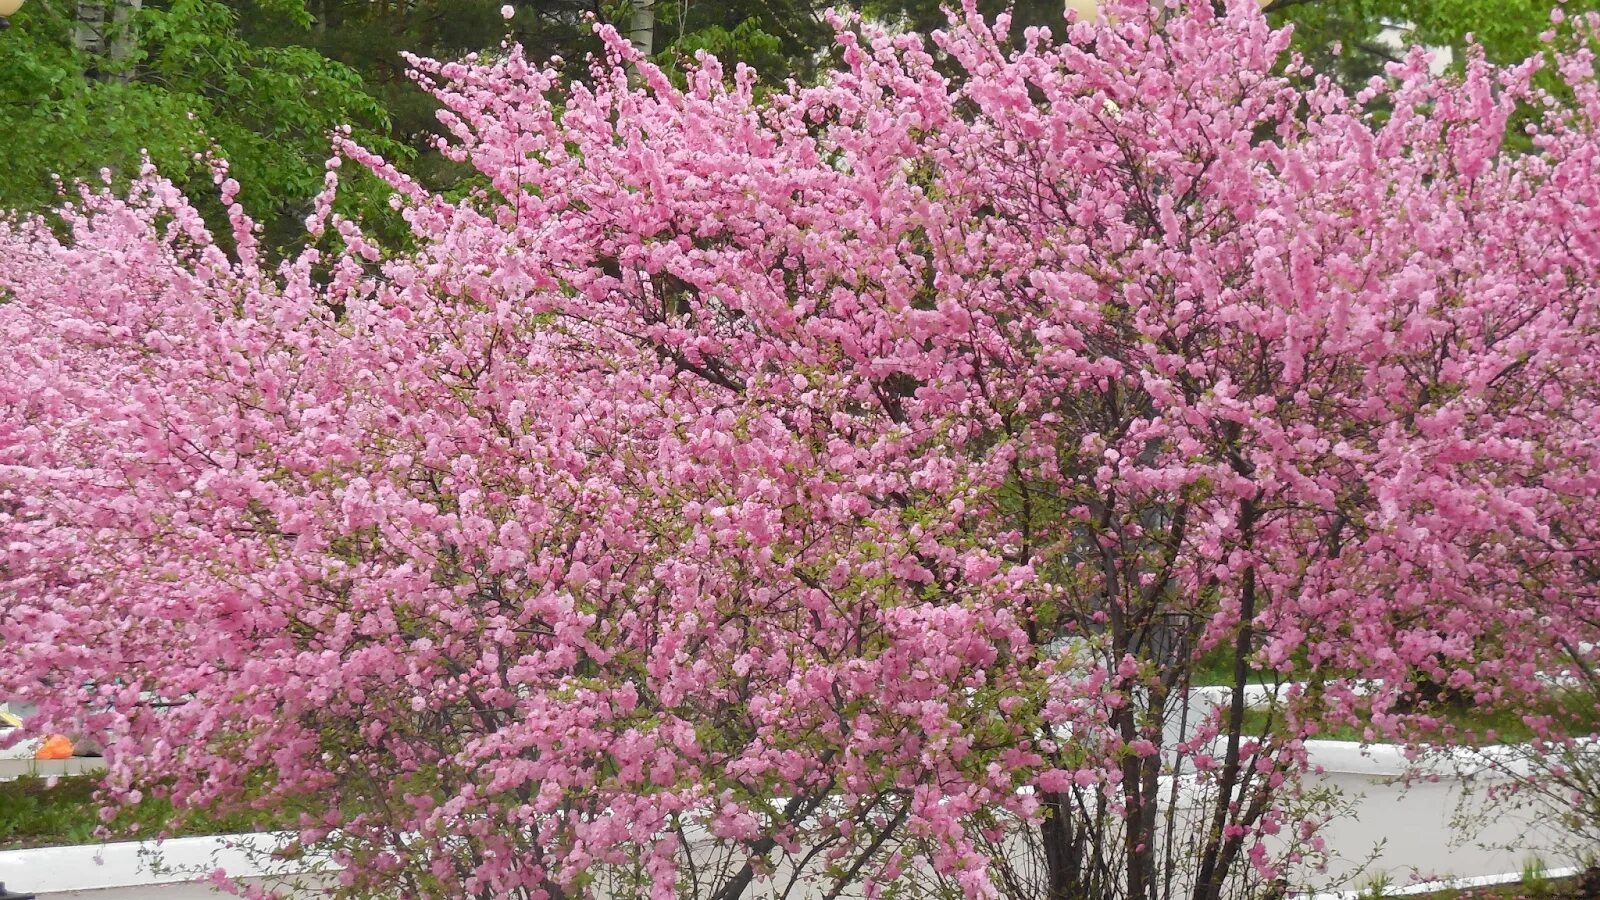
{"type": "Point", "coordinates": [56, 746]}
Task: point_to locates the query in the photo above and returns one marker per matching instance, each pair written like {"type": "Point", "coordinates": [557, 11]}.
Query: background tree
{"type": "Point", "coordinates": [87, 86]}
{"type": "Point", "coordinates": [174, 79]}
{"type": "Point", "coordinates": [372, 38]}
{"type": "Point", "coordinates": [1355, 39]}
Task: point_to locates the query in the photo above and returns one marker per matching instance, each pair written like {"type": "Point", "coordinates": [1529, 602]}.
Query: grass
{"type": "Point", "coordinates": [1465, 722]}
{"type": "Point", "coordinates": [1216, 669]}
{"type": "Point", "coordinates": [1544, 889]}
{"type": "Point", "coordinates": [1549, 890]}
{"type": "Point", "coordinates": [35, 813]}
{"type": "Point", "coordinates": [1535, 884]}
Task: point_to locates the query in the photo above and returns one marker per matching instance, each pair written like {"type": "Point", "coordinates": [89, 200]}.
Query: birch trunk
{"type": "Point", "coordinates": [104, 31]}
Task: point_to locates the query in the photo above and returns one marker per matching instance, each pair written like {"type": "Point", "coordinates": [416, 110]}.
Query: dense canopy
{"type": "Point", "coordinates": [844, 484]}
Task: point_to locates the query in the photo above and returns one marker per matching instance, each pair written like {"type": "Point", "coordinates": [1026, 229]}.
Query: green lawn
{"type": "Point", "coordinates": [1469, 724]}
{"type": "Point", "coordinates": [1537, 889]}
{"type": "Point", "coordinates": [35, 814]}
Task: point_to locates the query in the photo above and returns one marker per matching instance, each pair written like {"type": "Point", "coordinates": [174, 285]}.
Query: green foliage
{"type": "Point", "coordinates": [1507, 29]}
{"type": "Point", "coordinates": [1536, 881]}
{"type": "Point", "coordinates": [1377, 887]}
{"type": "Point", "coordinates": [744, 43]}
{"type": "Point", "coordinates": [370, 38]}
{"type": "Point", "coordinates": [60, 121]}
{"type": "Point", "coordinates": [779, 39]}
{"type": "Point", "coordinates": [189, 88]}
{"type": "Point", "coordinates": [925, 16]}
{"type": "Point", "coordinates": [262, 82]}
{"type": "Point", "coordinates": [1350, 39]}
{"type": "Point", "coordinates": [269, 109]}
{"type": "Point", "coordinates": [1354, 39]}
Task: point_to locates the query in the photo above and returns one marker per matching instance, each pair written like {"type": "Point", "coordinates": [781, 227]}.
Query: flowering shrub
{"type": "Point", "coordinates": [841, 489]}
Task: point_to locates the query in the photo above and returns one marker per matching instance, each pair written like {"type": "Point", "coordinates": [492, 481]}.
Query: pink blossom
{"type": "Point", "coordinates": [817, 468]}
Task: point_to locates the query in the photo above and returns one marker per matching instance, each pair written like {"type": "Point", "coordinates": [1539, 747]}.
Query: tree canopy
{"type": "Point", "coordinates": [185, 86]}
{"type": "Point", "coordinates": [844, 484]}
{"type": "Point", "coordinates": [263, 83]}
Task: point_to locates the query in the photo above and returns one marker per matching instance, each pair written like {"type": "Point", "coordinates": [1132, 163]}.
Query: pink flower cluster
{"type": "Point", "coordinates": [839, 487]}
